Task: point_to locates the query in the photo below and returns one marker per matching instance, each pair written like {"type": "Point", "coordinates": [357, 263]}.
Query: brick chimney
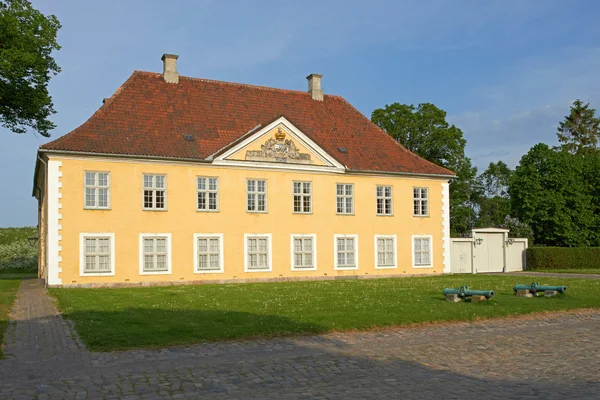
{"type": "Point", "coordinates": [314, 86]}
{"type": "Point", "coordinates": [170, 73]}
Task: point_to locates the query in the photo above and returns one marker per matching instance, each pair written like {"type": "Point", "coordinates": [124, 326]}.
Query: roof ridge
{"type": "Point", "coordinates": [402, 147]}
{"type": "Point", "coordinates": [248, 85]}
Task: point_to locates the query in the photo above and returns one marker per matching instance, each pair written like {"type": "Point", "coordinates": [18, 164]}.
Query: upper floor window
{"type": "Point", "coordinates": [345, 198]}
{"type": "Point", "coordinates": [384, 200]}
{"type": "Point", "coordinates": [420, 201]}
{"type": "Point", "coordinates": [208, 194]}
{"type": "Point", "coordinates": [302, 197]}
{"type": "Point", "coordinates": [97, 190]}
{"type": "Point", "coordinates": [155, 193]}
{"type": "Point", "coordinates": [256, 195]}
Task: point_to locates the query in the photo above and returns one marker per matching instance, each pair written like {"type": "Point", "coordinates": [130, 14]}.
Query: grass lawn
{"type": "Point", "coordinates": [112, 319]}
{"type": "Point", "coordinates": [9, 284]}
{"type": "Point", "coordinates": [569, 271]}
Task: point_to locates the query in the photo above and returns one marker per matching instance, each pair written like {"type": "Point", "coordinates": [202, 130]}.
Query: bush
{"type": "Point", "coordinates": [563, 258]}
{"type": "Point", "coordinates": [16, 254]}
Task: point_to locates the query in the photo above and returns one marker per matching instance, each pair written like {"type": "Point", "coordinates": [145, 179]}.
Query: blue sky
{"type": "Point", "coordinates": [505, 71]}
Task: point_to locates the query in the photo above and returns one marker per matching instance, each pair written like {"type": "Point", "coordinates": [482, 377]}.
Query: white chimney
{"type": "Point", "coordinates": [170, 73]}
{"type": "Point", "coordinates": [314, 86]}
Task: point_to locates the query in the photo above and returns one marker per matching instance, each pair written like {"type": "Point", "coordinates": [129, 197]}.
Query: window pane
{"type": "Point", "coordinates": [202, 261]}
{"type": "Point", "coordinates": [90, 245]}
{"type": "Point", "coordinates": [148, 262]}
{"type": "Point", "coordinates": [340, 244]}
{"type": "Point", "coordinates": [424, 207]}
{"type": "Point", "coordinates": [298, 259]}
{"type": "Point", "coordinates": [340, 189]}
{"type": "Point", "coordinates": [379, 191]}
{"type": "Point", "coordinates": [161, 262]}
{"type": "Point", "coordinates": [388, 191]}
{"type": "Point", "coordinates": [214, 245]}
{"type": "Point", "coordinates": [349, 190]}
{"type": "Point", "coordinates": [160, 181]}
{"type": "Point", "coordinates": [262, 203]}
{"type": "Point", "coordinates": [306, 187]}
{"type": "Point", "coordinates": [297, 203]}
{"type": "Point", "coordinates": [90, 178]}
{"type": "Point", "coordinates": [307, 244]}
{"type": "Point", "coordinates": [201, 183]}
{"type": "Point", "coordinates": [103, 179]}
{"type": "Point", "coordinates": [349, 205]}
{"type": "Point", "coordinates": [425, 244]}
{"type": "Point", "coordinates": [297, 188]}
{"type": "Point", "coordinates": [148, 245]}
{"type": "Point", "coordinates": [341, 258]}
{"type": "Point", "coordinates": [306, 204]}
{"type": "Point", "coordinates": [202, 245]}
{"type": "Point", "coordinates": [214, 261]}
{"type": "Point", "coordinates": [262, 186]}
{"type": "Point", "coordinates": [103, 245]}
{"type": "Point", "coordinates": [424, 193]}
{"type": "Point", "coordinates": [212, 201]}
{"type": "Point", "coordinates": [212, 184]}
{"type": "Point", "coordinates": [380, 244]}
{"type": "Point", "coordinates": [251, 186]}
{"type": "Point", "coordinates": [90, 263]}
{"type": "Point", "coordinates": [297, 244]}
{"type": "Point", "coordinates": [161, 245]}
{"type": "Point", "coordinates": [308, 260]}
{"type": "Point", "coordinates": [147, 181]}
{"type": "Point", "coordinates": [90, 197]}
{"type": "Point", "coordinates": [147, 198]}
{"type": "Point", "coordinates": [262, 245]}
{"type": "Point", "coordinates": [416, 193]}
{"type": "Point", "coordinates": [379, 206]}
{"type": "Point", "coordinates": [201, 200]}
{"type": "Point", "coordinates": [340, 205]}
{"type": "Point", "coordinates": [250, 203]}
{"type": "Point", "coordinates": [102, 197]}
{"type": "Point", "coordinates": [380, 259]}
{"type": "Point", "coordinates": [160, 198]}
{"type": "Point", "coordinates": [350, 244]}
{"type": "Point", "coordinates": [262, 260]}
{"type": "Point", "coordinates": [350, 258]}
{"type": "Point", "coordinates": [252, 245]}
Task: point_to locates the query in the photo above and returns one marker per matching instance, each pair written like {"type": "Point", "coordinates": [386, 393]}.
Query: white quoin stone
{"type": "Point", "coordinates": [314, 86]}
{"type": "Point", "coordinates": [170, 73]}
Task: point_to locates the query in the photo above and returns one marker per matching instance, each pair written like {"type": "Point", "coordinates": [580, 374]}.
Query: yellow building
{"type": "Point", "coordinates": [178, 179]}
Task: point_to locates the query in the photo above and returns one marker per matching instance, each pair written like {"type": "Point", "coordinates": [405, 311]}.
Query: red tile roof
{"type": "Point", "coordinates": [149, 117]}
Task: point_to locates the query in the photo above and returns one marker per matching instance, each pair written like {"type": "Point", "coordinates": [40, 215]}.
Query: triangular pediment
{"type": "Point", "coordinates": [279, 144]}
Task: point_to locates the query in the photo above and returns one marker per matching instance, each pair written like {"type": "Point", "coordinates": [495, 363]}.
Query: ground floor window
{"type": "Point", "coordinates": [209, 252]}
{"type": "Point", "coordinates": [97, 254]}
{"type": "Point", "coordinates": [303, 249]}
{"type": "Point", "coordinates": [155, 253]}
{"type": "Point", "coordinates": [257, 252]}
{"type": "Point", "coordinates": [385, 251]}
{"type": "Point", "coordinates": [346, 251]}
{"type": "Point", "coordinates": [422, 257]}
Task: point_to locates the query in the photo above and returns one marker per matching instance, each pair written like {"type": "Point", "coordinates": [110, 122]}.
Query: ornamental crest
{"type": "Point", "coordinates": [279, 149]}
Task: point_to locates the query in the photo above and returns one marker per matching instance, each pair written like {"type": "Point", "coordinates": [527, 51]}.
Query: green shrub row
{"type": "Point", "coordinates": [563, 258]}
{"type": "Point", "coordinates": [16, 254]}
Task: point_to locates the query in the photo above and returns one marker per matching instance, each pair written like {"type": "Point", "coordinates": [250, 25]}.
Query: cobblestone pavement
{"type": "Point", "coordinates": [553, 356]}
{"type": "Point", "coordinates": [552, 275]}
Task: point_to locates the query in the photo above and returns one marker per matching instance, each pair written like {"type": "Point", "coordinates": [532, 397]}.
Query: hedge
{"type": "Point", "coordinates": [563, 258]}
{"type": "Point", "coordinates": [16, 254]}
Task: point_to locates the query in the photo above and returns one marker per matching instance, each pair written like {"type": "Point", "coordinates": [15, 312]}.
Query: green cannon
{"type": "Point", "coordinates": [536, 287]}
{"type": "Point", "coordinates": [465, 291]}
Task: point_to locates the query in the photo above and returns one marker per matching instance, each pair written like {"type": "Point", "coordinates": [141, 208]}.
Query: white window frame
{"type": "Point", "coordinates": [430, 237]}
{"type": "Point", "coordinates": [141, 253]}
{"type": "Point", "coordinates": [207, 191]}
{"type": "Point", "coordinates": [335, 255]}
{"type": "Point", "coordinates": [302, 196]}
{"type": "Point", "coordinates": [344, 196]}
{"type": "Point", "coordinates": [268, 236]}
{"type": "Point", "coordinates": [312, 236]}
{"type": "Point", "coordinates": [96, 188]}
{"type": "Point", "coordinates": [221, 254]}
{"type": "Point", "coordinates": [395, 249]}
{"type": "Point", "coordinates": [421, 200]}
{"type": "Point", "coordinates": [255, 194]}
{"type": "Point", "coordinates": [154, 189]}
{"type": "Point", "coordinates": [82, 237]}
{"type": "Point", "coordinates": [391, 213]}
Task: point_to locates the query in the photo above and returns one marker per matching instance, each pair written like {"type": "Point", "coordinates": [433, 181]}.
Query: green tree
{"type": "Point", "coordinates": [494, 205]}
{"type": "Point", "coordinates": [424, 130]}
{"type": "Point", "coordinates": [579, 132]}
{"type": "Point", "coordinates": [27, 39]}
{"type": "Point", "coordinates": [549, 192]}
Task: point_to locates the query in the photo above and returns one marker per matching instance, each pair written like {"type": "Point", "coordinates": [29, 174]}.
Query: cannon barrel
{"type": "Point", "coordinates": [536, 287]}
{"type": "Point", "coordinates": [465, 291]}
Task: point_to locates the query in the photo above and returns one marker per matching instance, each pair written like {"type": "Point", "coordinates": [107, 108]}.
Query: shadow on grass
{"type": "Point", "coordinates": [17, 274]}
{"type": "Point", "coordinates": [148, 328]}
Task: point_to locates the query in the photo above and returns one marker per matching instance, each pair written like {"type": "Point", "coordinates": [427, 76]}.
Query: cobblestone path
{"type": "Point", "coordinates": [555, 356]}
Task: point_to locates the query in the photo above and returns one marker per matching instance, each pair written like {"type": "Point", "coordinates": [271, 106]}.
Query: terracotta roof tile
{"type": "Point", "coordinates": [149, 117]}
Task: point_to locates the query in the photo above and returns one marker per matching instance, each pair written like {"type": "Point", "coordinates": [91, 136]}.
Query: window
{"type": "Point", "coordinates": [346, 252]}
{"type": "Point", "coordinates": [97, 189]}
{"type": "Point", "coordinates": [257, 252]}
{"type": "Point", "coordinates": [256, 195]}
{"type": "Point", "coordinates": [385, 251]}
{"type": "Point", "coordinates": [384, 200]}
{"type": "Point", "coordinates": [345, 198]}
{"type": "Point", "coordinates": [302, 197]}
{"type": "Point", "coordinates": [208, 255]}
{"type": "Point", "coordinates": [155, 253]}
{"type": "Point", "coordinates": [420, 201]}
{"type": "Point", "coordinates": [422, 257]}
{"type": "Point", "coordinates": [304, 254]}
{"type": "Point", "coordinates": [97, 253]}
{"type": "Point", "coordinates": [155, 197]}
{"type": "Point", "coordinates": [208, 194]}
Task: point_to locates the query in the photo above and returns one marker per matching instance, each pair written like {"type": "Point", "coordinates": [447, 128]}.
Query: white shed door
{"type": "Point", "coordinates": [515, 256]}
{"type": "Point", "coordinates": [489, 255]}
{"type": "Point", "coordinates": [461, 257]}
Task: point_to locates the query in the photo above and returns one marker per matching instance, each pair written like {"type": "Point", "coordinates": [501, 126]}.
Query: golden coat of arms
{"type": "Point", "coordinates": [278, 149]}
